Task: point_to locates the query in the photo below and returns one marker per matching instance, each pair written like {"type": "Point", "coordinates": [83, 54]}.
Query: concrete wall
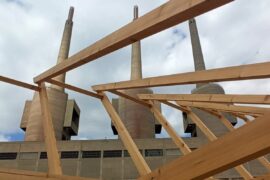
{"type": "Point", "coordinates": [108, 168]}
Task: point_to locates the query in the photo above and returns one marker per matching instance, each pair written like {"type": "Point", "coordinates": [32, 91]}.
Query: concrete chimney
{"type": "Point", "coordinates": [196, 48]}
{"type": "Point", "coordinates": [64, 47]}
{"type": "Point", "coordinates": [136, 62]}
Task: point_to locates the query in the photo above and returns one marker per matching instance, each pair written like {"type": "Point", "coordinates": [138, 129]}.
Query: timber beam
{"type": "Point", "coordinates": [74, 88]}
{"type": "Point", "coordinates": [213, 158]}
{"type": "Point", "coordinates": [54, 165]}
{"type": "Point", "coordinates": [15, 174]}
{"type": "Point", "coordinates": [234, 73]}
{"type": "Point", "coordinates": [19, 83]}
{"type": "Point", "coordinates": [167, 15]}
{"type": "Point", "coordinates": [225, 107]}
{"type": "Point", "coordinates": [134, 99]}
{"type": "Point", "coordinates": [130, 145]}
{"type": "Point", "coordinates": [216, 98]}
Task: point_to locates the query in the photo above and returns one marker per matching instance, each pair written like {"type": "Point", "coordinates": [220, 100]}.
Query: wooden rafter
{"type": "Point", "coordinates": [216, 98]}
{"type": "Point", "coordinates": [225, 107]}
{"type": "Point", "coordinates": [134, 99]}
{"type": "Point", "coordinates": [19, 83]}
{"type": "Point", "coordinates": [15, 174]}
{"type": "Point", "coordinates": [131, 147]}
{"type": "Point", "coordinates": [230, 127]}
{"type": "Point", "coordinates": [243, 72]}
{"type": "Point", "coordinates": [210, 135]}
{"type": "Point", "coordinates": [213, 158]}
{"type": "Point", "coordinates": [74, 88]}
{"type": "Point", "coordinates": [169, 14]}
{"type": "Point", "coordinates": [180, 143]}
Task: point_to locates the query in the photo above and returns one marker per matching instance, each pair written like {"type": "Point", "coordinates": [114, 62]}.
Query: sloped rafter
{"type": "Point", "coordinates": [253, 140]}
{"type": "Point", "coordinates": [19, 83]}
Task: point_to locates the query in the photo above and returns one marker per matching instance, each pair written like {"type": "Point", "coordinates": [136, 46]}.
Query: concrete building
{"type": "Point", "coordinates": [108, 159]}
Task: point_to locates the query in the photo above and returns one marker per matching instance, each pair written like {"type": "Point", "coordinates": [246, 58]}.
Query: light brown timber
{"type": "Point", "coordinates": [135, 154]}
{"type": "Point", "coordinates": [179, 142]}
{"type": "Point", "coordinates": [225, 107]}
{"type": "Point", "coordinates": [243, 72]}
{"type": "Point", "coordinates": [74, 88]}
{"type": "Point", "coordinates": [134, 99]}
{"type": "Point", "coordinates": [252, 138]}
{"type": "Point", "coordinates": [19, 83]}
{"type": "Point", "coordinates": [15, 174]}
{"type": "Point", "coordinates": [226, 122]}
{"type": "Point", "coordinates": [54, 166]}
{"type": "Point", "coordinates": [217, 98]}
{"type": "Point", "coordinates": [240, 169]}
{"type": "Point", "coordinates": [167, 15]}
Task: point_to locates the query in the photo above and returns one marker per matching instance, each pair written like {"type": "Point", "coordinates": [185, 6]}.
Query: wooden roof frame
{"type": "Point", "coordinates": [194, 165]}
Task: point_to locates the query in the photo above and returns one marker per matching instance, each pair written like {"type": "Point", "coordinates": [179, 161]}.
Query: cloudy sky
{"type": "Point", "coordinates": [31, 30]}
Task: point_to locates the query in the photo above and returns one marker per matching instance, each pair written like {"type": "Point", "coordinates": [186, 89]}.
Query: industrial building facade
{"type": "Point", "coordinates": [105, 159]}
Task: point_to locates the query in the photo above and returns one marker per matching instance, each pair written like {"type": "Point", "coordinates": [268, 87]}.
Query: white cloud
{"type": "Point", "coordinates": [31, 32]}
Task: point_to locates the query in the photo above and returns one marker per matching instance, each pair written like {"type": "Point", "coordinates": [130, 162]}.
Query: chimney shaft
{"type": "Point", "coordinates": [196, 48]}
{"type": "Point", "coordinates": [136, 63]}
{"type": "Point", "coordinates": [64, 47]}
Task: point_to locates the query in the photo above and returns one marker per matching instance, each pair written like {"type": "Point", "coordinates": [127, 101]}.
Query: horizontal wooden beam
{"type": "Point", "coordinates": [74, 88]}
{"type": "Point", "coordinates": [19, 83]}
{"type": "Point", "coordinates": [243, 72]}
{"type": "Point", "coordinates": [169, 14]}
{"type": "Point", "coordinates": [220, 154]}
{"type": "Point", "coordinates": [134, 99]}
{"type": "Point", "coordinates": [15, 174]}
{"type": "Point", "coordinates": [225, 107]}
{"type": "Point", "coordinates": [217, 98]}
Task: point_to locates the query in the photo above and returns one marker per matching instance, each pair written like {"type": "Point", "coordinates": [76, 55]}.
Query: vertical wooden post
{"type": "Point", "coordinates": [180, 143]}
{"type": "Point", "coordinates": [240, 169]}
{"type": "Point", "coordinates": [133, 150]}
{"type": "Point", "coordinates": [54, 165]}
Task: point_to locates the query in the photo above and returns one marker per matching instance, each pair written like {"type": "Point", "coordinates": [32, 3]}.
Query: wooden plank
{"type": "Point", "coordinates": [179, 142]}
{"type": "Point", "coordinates": [15, 174]}
{"type": "Point", "coordinates": [229, 126]}
{"type": "Point", "coordinates": [209, 134]}
{"type": "Point", "coordinates": [216, 98]}
{"type": "Point", "coordinates": [243, 72]}
{"type": "Point", "coordinates": [265, 177]}
{"type": "Point", "coordinates": [133, 150]}
{"type": "Point", "coordinates": [220, 154]}
{"type": "Point", "coordinates": [54, 166]}
{"type": "Point", "coordinates": [169, 14]}
{"type": "Point", "coordinates": [134, 99]}
{"type": "Point", "coordinates": [174, 106]}
{"type": "Point", "coordinates": [19, 83]}
{"type": "Point", "coordinates": [225, 107]}
{"type": "Point", "coordinates": [74, 88]}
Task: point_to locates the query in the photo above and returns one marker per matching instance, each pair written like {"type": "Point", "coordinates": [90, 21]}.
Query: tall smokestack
{"type": "Point", "coordinates": [64, 47]}
{"type": "Point", "coordinates": [138, 119]}
{"type": "Point", "coordinates": [196, 48]}
{"type": "Point", "coordinates": [136, 63]}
